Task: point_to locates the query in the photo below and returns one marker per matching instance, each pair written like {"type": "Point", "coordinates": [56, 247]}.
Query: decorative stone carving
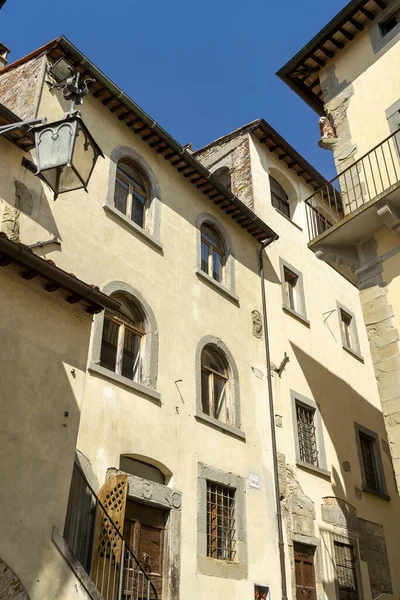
{"type": "Point", "coordinates": [175, 499]}
{"type": "Point", "coordinates": [23, 198]}
{"type": "Point", "coordinates": [257, 324]}
{"type": "Point", "coordinates": [328, 136]}
{"type": "Point", "coordinates": [10, 223]}
{"type": "Point", "coordinates": [147, 491]}
{"type": "Point", "coordinates": [339, 255]}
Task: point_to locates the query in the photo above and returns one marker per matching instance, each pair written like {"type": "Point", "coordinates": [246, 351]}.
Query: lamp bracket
{"type": "Point", "coordinates": [21, 124]}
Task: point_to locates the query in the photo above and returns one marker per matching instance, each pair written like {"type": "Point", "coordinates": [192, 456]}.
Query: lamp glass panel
{"type": "Point", "coordinates": [69, 180]}
{"type": "Point", "coordinates": [54, 145]}
{"type": "Point", "coordinates": [84, 155]}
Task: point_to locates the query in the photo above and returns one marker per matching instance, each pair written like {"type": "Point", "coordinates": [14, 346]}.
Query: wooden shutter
{"type": "Point", "coordinates": [107, 545]}
{"type": "Point", "coordinates": [304, 571]}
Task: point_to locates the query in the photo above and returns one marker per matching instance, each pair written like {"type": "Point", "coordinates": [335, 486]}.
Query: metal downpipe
{"type": "Point", "coordinates": [272, 420]}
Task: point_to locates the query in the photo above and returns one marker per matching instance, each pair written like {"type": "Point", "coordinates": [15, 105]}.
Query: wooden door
{"type": "Point", "coordinates": [304, 571]}
{"type": "Point", "coordinates": [144, 532]}
{"type": "Point", "coordinates": [107, 545]}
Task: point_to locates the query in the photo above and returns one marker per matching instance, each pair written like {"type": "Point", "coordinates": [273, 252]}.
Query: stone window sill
{"type": "Point", "coordinates": [125, 382]}
{"type": "Point", "coordinates": [221, 568]}
{"type": "Point", "coordinates": [296, 315]}
{"type": "Point", "coordinates": [375, 492]}
{"type": "Point", "coordinates": [287, 218]}
{"type": "Point", "coordinates": [229, 429]}
{"type": "Point", "coordinates": [354, 353]}
{"type": "Point", "coordinates": [133, 226]}
{"type": "Point", "coordinates": [313, 469]}
{"type": "Point", "coordinates": [218, 286]}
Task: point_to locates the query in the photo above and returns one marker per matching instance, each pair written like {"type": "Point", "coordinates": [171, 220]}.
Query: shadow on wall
{"type": "Point", "coordinates": [30, 202]}
{"type": "Point", "coordinates": [42, 359]}
{"type": "Point", "coordinates": [340, 405]}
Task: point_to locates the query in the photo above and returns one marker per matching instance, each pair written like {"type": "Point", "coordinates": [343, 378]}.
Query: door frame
{"type": "Point", "coordinates": [168, 499]}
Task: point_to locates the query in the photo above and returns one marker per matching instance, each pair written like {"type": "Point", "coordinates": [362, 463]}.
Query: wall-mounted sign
{"type": "Point", "coordinates": [254, 481]}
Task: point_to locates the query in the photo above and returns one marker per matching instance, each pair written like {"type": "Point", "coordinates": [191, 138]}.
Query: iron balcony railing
{"type": "Point", "coordinates": [362, 182]}
{"type": "Point", "coordinates": [97, 543]}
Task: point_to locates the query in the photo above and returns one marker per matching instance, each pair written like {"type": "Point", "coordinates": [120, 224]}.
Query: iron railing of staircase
{"type": "Point", "coordinates": [106, 558]}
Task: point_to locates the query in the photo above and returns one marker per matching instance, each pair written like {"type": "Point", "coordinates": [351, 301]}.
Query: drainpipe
{"type": "Point", "coordinates": [281, 545]}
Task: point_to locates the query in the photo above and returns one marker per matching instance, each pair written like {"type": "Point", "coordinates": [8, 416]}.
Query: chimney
{"type": "Point", "coordinates": [4, 52]}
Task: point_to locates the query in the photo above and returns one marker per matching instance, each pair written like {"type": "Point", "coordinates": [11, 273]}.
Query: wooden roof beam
{"type": "Point", "coordinates": [148, 136]}
{"type": "Point", "coordinates": [336, 43]}
{"type": "Point", "coordinates": [328, 53]}
{"type": "Point", "coordinates": [346, 33]}
{"type": "Point", "coordinates": [367, 13]}
{"type": "Point", "coordinates": [380, 3]}
{"type": "Point", "coordinates": [108, 100]}
{"type": "Point", "coordinates": [356, 24]}
{"type": "Point", "coordinates": [318, 60]}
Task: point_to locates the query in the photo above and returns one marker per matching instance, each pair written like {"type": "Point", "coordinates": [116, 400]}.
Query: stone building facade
{"type": "Point", "coordinates": [171, 399]}
{"type": "Point", "coordinates": [352, 84]}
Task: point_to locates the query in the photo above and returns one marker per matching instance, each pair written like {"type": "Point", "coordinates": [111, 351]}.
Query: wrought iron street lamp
{"type": "Point", "coordinates": [66, 152]}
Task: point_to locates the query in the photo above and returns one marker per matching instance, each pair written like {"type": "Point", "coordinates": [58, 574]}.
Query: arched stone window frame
{"type": "Point", "coordinates": [153, 217]}
{"type": "Point", "coordinates": [233, 383]}
{"type": "Point", "coordinates": [289, 188]}
{"type": "Point", "coordinates": [228, 287]}
{"type": "Point", "coordinates": [149, 357]}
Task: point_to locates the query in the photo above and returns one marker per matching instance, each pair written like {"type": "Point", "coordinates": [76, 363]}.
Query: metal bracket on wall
{"type": "Point", "coordinates": [281, 367]}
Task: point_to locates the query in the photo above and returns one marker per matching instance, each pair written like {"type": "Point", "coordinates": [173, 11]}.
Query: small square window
{"type": "Point", "coordinates": [292, 290]}
{"type": "Point", "coordinates": [390, 23]}
{"type": "Point", "coordinates": [369, 458]}
{"type": "Point", "coordinates": [373, 479]}
{"type": "Point", "coordinates": [345, 561]}
{"type": "Point", "coordinates": [306, 432]}
{"type": "Point", "coordinates": [291, 293]}
{"type": "Point", "coordinates": [221, 528]}
{"type": "Point", "coordinates": [348, 331]}
{"type": "Point", "coordinates": [346, 320]}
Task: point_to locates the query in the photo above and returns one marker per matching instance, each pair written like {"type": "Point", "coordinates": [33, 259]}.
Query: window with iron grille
{"type": "Point", "coordinates": [221, 528]}
{"type": "Point", "coordinates": [346, 571]}
{"type": "Point", "coordinates": [306, 434]}
{"type": "Point", "coordinates": [368, 453]}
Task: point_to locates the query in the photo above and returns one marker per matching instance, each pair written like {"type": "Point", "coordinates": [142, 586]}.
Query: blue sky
{"type": "Point", "coordinates": [200, 69]}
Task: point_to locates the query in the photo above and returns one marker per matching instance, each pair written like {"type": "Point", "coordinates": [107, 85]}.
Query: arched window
{"type": "Point", "coordinates": [224, 176]}
{"type": "Point", "coordinates": [132, 192]}
{"type": "Point", "coordinates": [279, 197]}
{"type": "Point", "coordinates": [214, 386]}
{"type": "Point", "coordinates": [212, 253]}
{"type": "Point", "coordinates": [123, 333]}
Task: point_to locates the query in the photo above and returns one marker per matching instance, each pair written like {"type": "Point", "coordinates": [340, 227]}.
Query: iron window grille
{"type": "Point", "coordinates": [221, 528]}
{"type": "Point", "coordinates": [346, 571]}
{"type": "Point", "coordinates": [307, 435]}
{"type": "Point", "coordinates": [368, 453]}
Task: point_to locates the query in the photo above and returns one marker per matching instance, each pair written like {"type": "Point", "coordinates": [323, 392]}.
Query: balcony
{"type": "Point", "coordinates": [96, 542]}
{"type": "Point", "coordinates": [363, 198]}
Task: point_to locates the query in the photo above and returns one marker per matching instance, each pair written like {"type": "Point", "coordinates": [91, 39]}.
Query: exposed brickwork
{"type": "Point", "coordinates": [18, 88]}
{"type": "Point", "coordinates": [237, 158]}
